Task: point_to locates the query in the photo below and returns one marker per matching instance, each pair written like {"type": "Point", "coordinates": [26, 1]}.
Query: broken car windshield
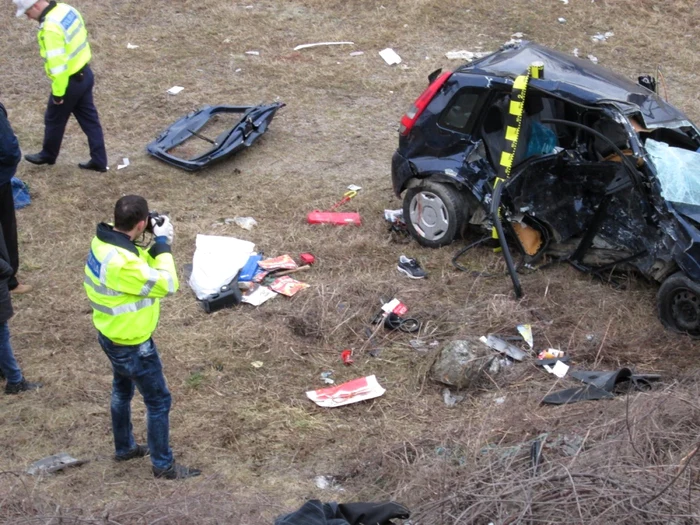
{"type": "Point", "coordinates": [675, 168]}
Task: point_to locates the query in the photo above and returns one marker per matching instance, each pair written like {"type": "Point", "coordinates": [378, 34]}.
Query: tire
{"type": "Point", "coordinates": [435, 213]}
{"type": "Point", "coordinates": [678, 304]}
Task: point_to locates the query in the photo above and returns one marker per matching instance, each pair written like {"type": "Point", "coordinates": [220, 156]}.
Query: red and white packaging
{"type": "Point", "coordinates": [396, 307]}
{"type": "Point", "coordinates": [360, 389]}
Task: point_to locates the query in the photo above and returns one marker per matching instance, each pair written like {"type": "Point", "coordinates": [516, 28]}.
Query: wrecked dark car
{"type": "Point", "coordinates": [600, 171]}
{"type": "Point", "coordinates": [250, 122]}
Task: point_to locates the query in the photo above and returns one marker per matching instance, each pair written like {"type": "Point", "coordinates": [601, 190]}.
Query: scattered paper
{"type": "Point", "coordinates": [517, 35]}
{"type": "Point", "coordinates": [257, 364]}
{"type": "Point", "coordinates": [124, 164]}
{"type": "Point", "coordinates": [131, 46]}
{"type": "Point", "coordinates": [327, 377]}
{"type": "Point", "coordinates": [357, 53]}
{"type": "Point", "coordinates": [285, 285]}
{"type": "Point", "coordinates": [258, 295]}
{"type": "Point", "coordinates": [526, 331]}
{"type": "Point", "coordinates": [360, 389]}
{"type": "Point", "coordinates": [561, 20]}
{"type": "Point", "coordinates": [175, 90]}
{"type": "Point", "coordinates": [354, 187]}
{"type": "Point", "coordinates": [593, 59]}
{"type": "Point", "coordinates": [575, 52]}
{"type": "Point", "coordinates": [254, 53]}
{"type": "Point", "coordinates": [390, 56]}
{"type": "Point", "coordinates": [565, 2]}
{"type": "Point", "coordinates": [306, 46]}
{"type": "Point", "coordinates": [559, 369]}
{"type": "Point", "coordinates": [283, 262]}
{"type": "Point", "coordinates": [500, 400]}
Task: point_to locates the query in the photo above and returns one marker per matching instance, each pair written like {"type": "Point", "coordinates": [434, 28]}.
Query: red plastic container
{"type": "Point", "coordinates": [333, 217]}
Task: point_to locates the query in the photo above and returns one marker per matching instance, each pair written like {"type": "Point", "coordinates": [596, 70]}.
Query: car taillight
{"type": "Point", "coordinates": [409, 119]}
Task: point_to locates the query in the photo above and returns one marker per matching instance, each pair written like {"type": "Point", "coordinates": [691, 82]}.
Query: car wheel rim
{"type": "Point", "coordinates": [685, 308]}
{"type": "Point", "coordinates": [429, 216]}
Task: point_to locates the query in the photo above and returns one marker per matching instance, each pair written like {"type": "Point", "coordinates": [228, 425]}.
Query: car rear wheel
{"type": "Point", "coordinates": [434, 213]}
{"type": "Point", "coordinates": [678, 303]}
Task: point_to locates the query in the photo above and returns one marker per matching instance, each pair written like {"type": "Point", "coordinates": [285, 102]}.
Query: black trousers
{"type": "Point", "coordinates": [79, 102]}
{"type": "Point", "coordinates": [8, 221]}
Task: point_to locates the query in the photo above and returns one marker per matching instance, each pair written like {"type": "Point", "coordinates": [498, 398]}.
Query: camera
{"type": "Point", "coordinates": [154, 216]}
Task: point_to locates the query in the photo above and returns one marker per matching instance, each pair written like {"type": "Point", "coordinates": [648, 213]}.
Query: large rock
{"type": "Point", "coordinates": [463, 364]}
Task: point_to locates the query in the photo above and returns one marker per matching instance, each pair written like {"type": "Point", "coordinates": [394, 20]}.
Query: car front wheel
{"type": "Point", "coordinates": [678, 303]}
{"type": "Point", "coordinates": [434, 213]}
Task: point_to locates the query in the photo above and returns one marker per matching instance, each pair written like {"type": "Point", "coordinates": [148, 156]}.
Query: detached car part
{"type": "Point", "coordinates": [605, 173]}
{"type": "Point", "coordinates": [253, 122]}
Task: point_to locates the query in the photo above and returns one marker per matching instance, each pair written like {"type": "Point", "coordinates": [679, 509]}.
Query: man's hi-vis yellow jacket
{"type": "Point", "coordinates": [125, 283]}
{"type": "Point", "coordinates": [63, 45]}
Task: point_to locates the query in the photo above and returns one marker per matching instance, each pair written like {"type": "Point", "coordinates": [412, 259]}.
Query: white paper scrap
{"type": "Point", "coordinates": [561, 20]}
{"type": "Point", "coordinates": [258, 296]}
{"type": "Point", "coordinates": [354, 187]}
{"type": "Point", "coordinates": [254, 53]}
{"type": "Point", "coordinates": [125, 163]}
{"type": "Point", "coordinates": [593, 59]}
{"type": "Point", "coordinates": [390, 56]}
{"type": "Point", "coordinates": [357, 53]}
{"type": "Point", "coordinates": [175, 90]}
{"type": "Point", "coordinates": [132, 46]}
{"type": "Point", "coordinates": [306, 46]}
{"type": "Point", "coordinates": [559, 369]}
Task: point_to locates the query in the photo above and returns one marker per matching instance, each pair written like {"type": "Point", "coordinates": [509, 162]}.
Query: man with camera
{"type": "Point", "coordinates": [124, 283]}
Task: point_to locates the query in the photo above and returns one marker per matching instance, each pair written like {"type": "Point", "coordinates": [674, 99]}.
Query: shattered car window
{"type": "Point", "coordinates": [673, 167]}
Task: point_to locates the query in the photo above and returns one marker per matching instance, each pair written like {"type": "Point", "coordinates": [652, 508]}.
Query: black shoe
{"type": "Point", "coordinates": [176, 471]}
{"type": "Point", "coordinates": [141, 451]}
{"type": "Point", "coordinates": [92, 165]}
{"type": "Point", "coordinates": [22, 386]}
{"type": "Point", "coordinates": [411, 268]}
{"type": "Point", "coordinates": [38, 159]}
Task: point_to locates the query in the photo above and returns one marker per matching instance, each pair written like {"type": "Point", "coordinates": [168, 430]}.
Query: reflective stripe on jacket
{"type": "Point", "coordinates": [63, 45]}
{"type": "Point", "coordinates": [124, 284]}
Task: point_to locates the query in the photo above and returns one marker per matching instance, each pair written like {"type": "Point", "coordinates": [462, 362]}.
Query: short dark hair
{"type": "Point", "coordinates": [128, 211]}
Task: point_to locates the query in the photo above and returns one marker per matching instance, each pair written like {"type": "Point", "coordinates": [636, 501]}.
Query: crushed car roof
{"type": "Point", "coordinates": [578, 80]}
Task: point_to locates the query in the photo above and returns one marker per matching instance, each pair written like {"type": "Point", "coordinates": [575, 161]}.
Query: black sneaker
{"type": "Point", "coordinates": [176, 471]}
{"type": "Point", "coordinates": [141, 451]}
{"type": "Point", "coordinates": [22, 386]}
{"type": "Point", "coordinates": [411, 268]}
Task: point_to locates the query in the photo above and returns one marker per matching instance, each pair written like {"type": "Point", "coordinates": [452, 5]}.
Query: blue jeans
{"type": "Point", "coordinates": [8, 363]}
{"type": "Point", "coordinates": [139, 366]}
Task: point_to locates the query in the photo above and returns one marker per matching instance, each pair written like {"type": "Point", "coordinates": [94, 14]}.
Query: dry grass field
{"type": "Point", "coordinates": [258, 440]}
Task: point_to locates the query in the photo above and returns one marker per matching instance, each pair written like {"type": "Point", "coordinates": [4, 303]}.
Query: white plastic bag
{"type": "Point", "coordinates": [216, 262]}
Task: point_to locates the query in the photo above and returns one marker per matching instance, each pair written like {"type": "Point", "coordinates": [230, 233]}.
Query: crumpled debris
{"type": "Point", "coordinates": [450, 399]}
{"type": "Point", "coordinates": [328, 483]}
{"type": "Point", "coordinates": [593, 59]}
{"type": "Point", "coordinates": [54, 463]}
{"type": "Point", "coordinates": [602, 37]}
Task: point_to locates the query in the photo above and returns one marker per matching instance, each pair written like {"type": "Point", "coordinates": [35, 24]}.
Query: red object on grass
{"type": "Point", "coordinates": [307, 258]}
{"type": "Point", "coordinates": [334, 217]}
{"type": "Point", "coordinates": [346, 356]}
